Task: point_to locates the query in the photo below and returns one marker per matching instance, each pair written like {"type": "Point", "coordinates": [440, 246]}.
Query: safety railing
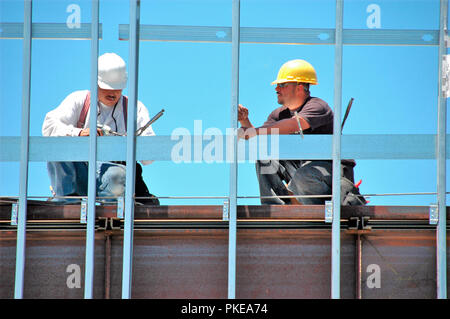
{"type": "Point", "coordinates": [130, 148]}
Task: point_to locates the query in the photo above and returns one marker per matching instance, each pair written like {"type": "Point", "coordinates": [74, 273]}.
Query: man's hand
{"type": "Point", "coordinates": [246, 132]}
{"type": "Point", "coordinates": [85, 132]}
{"type": "Point", "coordinates": [242, 113]}
{"type": "Point", "coordinates": [243, 116]}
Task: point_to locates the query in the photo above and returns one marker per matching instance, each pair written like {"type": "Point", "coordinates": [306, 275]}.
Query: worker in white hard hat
{"type": "Point", "coordinates": [299, 113]}
{"type": "Point", "coordinates": [71, 118]}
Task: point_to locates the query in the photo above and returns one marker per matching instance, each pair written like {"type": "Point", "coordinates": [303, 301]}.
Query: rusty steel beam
{"type": "Point", "coordinates": [39, 210]}
{"type": "Point", "coordinates": [271, 263]}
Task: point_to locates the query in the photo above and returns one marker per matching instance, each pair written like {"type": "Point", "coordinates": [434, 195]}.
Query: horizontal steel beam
{"type": "Point", "coordinates": [41, 210]}
{"type": "Point", "coordinates": [48, 31]}
{"type": "Point", "coordinates": [271, 263]}
{"type": "Point", "coordinates": [282, 35]}
{"type": "Point", "coordinates": [223, 34]}
{"type": "Point", "coordinates": [160, 148]}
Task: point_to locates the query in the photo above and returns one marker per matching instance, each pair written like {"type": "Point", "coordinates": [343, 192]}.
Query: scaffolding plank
{"type": "Point", "coordinates": [282, 35]}
{"type": "Point", "coordinates": [61, 31]}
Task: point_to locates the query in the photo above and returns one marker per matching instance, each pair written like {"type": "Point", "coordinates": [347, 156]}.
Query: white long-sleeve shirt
{"type": "Point", "coordinates": [62, 121]}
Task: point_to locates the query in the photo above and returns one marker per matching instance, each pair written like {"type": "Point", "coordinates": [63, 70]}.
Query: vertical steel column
{"type": "Point", "coordinates": [24, 150]}
{"type": "Point", "coordinates": [131, 150]}
{"type": "Point", "coordinates": [92, 187]}
{"type": "Point", "coordinates": [235, 40]}
{"type": "Point", "coordinates": [441, 236]}
{"type": "Point", "coordinates": [336, 226]}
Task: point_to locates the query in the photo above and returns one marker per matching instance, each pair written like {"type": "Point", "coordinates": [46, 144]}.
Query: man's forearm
{"type": "Point", "coordinates": [246, 123]}
{"type": "Point", "coordinates": [287, 126]}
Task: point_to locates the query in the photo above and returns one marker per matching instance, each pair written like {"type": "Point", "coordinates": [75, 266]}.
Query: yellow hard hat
{"type": "Point", "coordinates": [296, 71]}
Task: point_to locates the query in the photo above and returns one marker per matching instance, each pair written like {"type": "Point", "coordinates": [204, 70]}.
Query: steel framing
{"type": "Point", "coordinates": [430, 146]}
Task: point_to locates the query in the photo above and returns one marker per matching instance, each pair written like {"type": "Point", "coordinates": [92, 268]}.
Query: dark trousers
{"type": "Point", "coordinates": [304, 178]}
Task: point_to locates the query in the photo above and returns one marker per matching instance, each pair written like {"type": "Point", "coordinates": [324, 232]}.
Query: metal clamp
{"type": "Point", "coordinates": [434, 214]}
{"type": "Point", "coordinates": [225, 213]}
{"type": "Point", "coordinates": [83, 211]}
{"type": "Point", "coordinates": [446, 75]}
{"type": "Point", "coordinates": [14, 213]}
{"type": "Point", "coordinates": [120, 207]}
{"type": "Point", "coordinates": [328, 212]}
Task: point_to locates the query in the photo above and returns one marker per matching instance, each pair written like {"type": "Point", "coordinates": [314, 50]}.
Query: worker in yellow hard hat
{"type": "Point", "coordinates": [299, 113]}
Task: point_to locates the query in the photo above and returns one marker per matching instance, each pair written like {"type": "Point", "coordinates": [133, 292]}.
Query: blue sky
{"type": "Point", "coordinates": [395, 87]}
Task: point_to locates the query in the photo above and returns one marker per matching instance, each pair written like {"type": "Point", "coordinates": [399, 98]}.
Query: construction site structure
{"type": "Point", "coordinates": [125, 250]}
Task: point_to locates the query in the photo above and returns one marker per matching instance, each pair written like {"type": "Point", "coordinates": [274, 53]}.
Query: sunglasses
{"type": "Point", "coordinates": [282, 85]}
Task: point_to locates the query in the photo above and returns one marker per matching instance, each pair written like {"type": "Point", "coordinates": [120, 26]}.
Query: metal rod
{"type": "Point", "coordinates": [235, 42]}
{"type": "Point", "coordinates": [347, 112]}
{"type": "Point", "coordinates": [131, 150]}
{"type": "Point", "coordinates": [92, 187]}
{"type": "Point", "coordinates": [441, 232]}
{"type": "Point", "coordinates": [336, 153]}
{"type": "Point", "coordinates": [24, 151]}
{"type": "Point", "coordinates": [358, 266]}
{"type": "Point", "coordinates": [107, 265]}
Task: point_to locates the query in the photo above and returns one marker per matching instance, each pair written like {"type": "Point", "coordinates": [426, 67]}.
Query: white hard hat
{"type": "Point", "coordinates": [112, 72]}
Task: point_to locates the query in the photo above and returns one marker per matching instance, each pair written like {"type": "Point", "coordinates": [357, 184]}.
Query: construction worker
{"type": "Point", "coordinates": [299, 112]}
{"type": "Point", "coordinates": [71, 118]}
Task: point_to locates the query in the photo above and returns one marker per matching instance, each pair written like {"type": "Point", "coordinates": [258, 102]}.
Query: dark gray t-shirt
{"type": "Point", "coordinates": [315, 111]}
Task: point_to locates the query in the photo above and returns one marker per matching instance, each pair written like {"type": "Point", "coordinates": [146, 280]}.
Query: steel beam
{"type": "Point", "coordinates": [42, 210]}
{"type": "Point", "coordinates": [131, 150]}
{"type": "Point", "coordinates": [308, 36]}
{"type": "Point", "coordinates": [47, 31]}
{"type": "Point", "coordinates": [235, 43]}
{"type": "Point", "coordinates": [336, 224]}
{"type": "Point", "coordinates": [24, 151]}
{"type": "Point", "coordinates": [113, 148]}
{"type": "Point", "coordinates": [441, 232]}
{"type": "Point", "coordinates": [92, 180]}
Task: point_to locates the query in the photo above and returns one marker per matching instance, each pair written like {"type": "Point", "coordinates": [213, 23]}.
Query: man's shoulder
{"type": "Point", "coordinates": [79, 95]}
{"type": "Point", "coordinates": [317, 104]}
{"type": "Point", "coordinates": [317, 101]}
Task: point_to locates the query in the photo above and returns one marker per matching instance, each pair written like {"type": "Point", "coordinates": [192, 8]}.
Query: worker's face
{"type": "Point", "coordinates": [109, 97]}
{"type": "Point", "coordinates": [288, 93]}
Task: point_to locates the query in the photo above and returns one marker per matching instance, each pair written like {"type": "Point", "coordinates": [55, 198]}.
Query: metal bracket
{"type": "Point", "coordinates": [328, 212]}
{"type": "Point", "coordinates": [114, 224]}
{"type": "Point", "coordinates": [83, 211]}
{"type": "Point", "coordinates": [353, 223]}
{"type": "Point", "coordinates": [359, 223]}
{"type": "Point", "coordinates": [14, 213]}
{"type": "Point", "coordinates": [120, 207]}
{"type": "Point", "coordinates": [365, 223]}
{"type": "Point", "coordinates": [434, 214]}
{"type": "Point", "coordinates": [446, 76]}
{"type": "Point", "coordinates": [225, 214]}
